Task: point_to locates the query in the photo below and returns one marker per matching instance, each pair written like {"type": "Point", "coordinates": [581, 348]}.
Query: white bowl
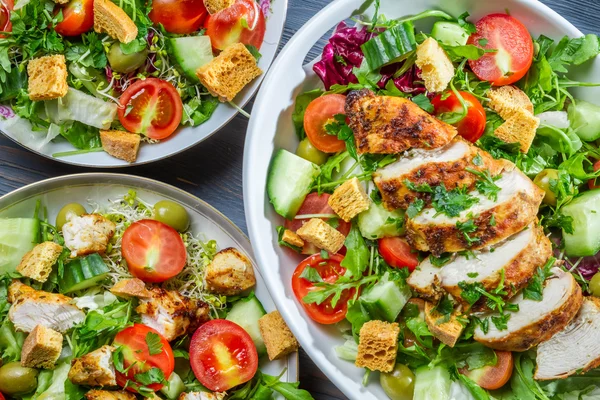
{"type": "Point", "coordinates": [183, 138]}
{"type": "Point", "coordinates": [271, 128]}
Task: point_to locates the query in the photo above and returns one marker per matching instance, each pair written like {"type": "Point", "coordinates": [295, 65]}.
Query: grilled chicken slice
{"type": "Point", "coordinates": [536, 321]}
{"type": "Point", "coordinates": [96, 394]}
{"type": "Point", "coordinates": [94, 369]}
{"type": "Point", "coordinates": [575, 349]}
{"type": "Point", "coordinates": [518, 256]}
{"type": "Point", "coordinates": [390, 125]}
{"type": "Point", "coordinates": [515, 208]}
{"type": "Point", "coordinates": [89, 233]}
{"type": "Point", "coordinates": [445, 165]}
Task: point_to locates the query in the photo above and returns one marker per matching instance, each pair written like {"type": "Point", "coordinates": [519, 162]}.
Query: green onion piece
{"type": "Point", "coordinates": [393, 45]}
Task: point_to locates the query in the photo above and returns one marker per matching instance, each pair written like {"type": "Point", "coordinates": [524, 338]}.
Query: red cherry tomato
{"type": "Point", "coordinates": [329, 270]}
{"type": "Point", "coordinates": [178, 16]}
{"type": "Point", "coordinates": [151, 106]}
{"type": "Point", "coordinates": [136, 354]}
{"type": "Point", "coordinates": [470, 127]}
{"type": "Point", "coordinates": [514, 48]}
{"type": "Point", "coordinates": [243, 22]}
{"type": "Point", "coordinates": [595, 183]}
{"type": "Point", "coordinates": [222, 355]}
{"type": "Point", "coordinates": [78, 17]}
{"type": "Point", "coordinates": [397, 253]}
{"type": "Point", "coordinates": [154, 251]}
{"type": "Point", "coordinates": [319, 113]}
{"type": "Point", "coordinates": [6, 6]}
{"type": "Point", "coordinates": [492, 377]}
{"type": "Point", "coordinates": [1, 396]}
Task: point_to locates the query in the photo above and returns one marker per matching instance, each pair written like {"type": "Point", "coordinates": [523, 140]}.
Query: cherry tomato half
{"type": "Point", "coordinates": [397, 253]}
{"type": "Point", "coordinates": [78, 17]}
{"type": "Point", "coordinates": [319, 113]}
{"type": "Point", "coordinates": [492, 377]}
{"type": "Point", "coordinates": [470, 127]}
{"type": "Point", "coordinates": [222, 355]}
{"type": "Point", "coordinates": [243, 22]}
{"type": "Point", "coordinates": [6, 6]}
{"type": "Point", "coordinates": [329, 270]}
{"type": "Point", "coordinates": [179, 16]}
{"type": "Point", "coordinates": [154, 251]}
{"type": "Point", "coordinates": [135, 350]}
{"type": "Point", "coordinates": [151, 106]}
{"type": "Point", "coordinates": [514, 47]}
{"type": "Point", "coordinates": [595, 183]}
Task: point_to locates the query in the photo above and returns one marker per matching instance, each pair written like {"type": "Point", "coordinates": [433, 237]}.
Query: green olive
{"type": "Point", "coordinates": [17, 380]}
{"type": "Point", "coordinates": [66, 212]}
{"type": "Point", "coordinates": [125, 63]}
{"type": "Point", "coordinates": [543, 181]}
{"type": "Point", "coordinates": [309, 152]}
{"type": "Point", "coordinates": [398, 384]}
{"type": "Point", "coordinates": [172, 214]}
{"type": "Point", "coordinates": [595, 285]}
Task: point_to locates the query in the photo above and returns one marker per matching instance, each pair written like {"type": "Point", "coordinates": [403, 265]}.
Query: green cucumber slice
{"type": "Point", "coordinates": [246, 313]}
{"type": "Point", "coordinates": [390, 46]}
{"type": "Point", "coordinates": [386, 298]}
{"type": "Point", "coordinates": [449, 33]}
{"type": "Point", "coordinates": [174, 388]}
{"type": "Point", "coordinates": [585, 211]}
{"type": "Point", "coordinates": [83, 273]}
{"type": "Point", "coordinates": [17, 237]}
{"type": "Point", "coordinates": [190, 53]}
{"type": "Point", "coordinates": [377, 222]}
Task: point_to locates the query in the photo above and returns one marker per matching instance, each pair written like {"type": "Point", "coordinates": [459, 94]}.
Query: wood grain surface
{"type": "Point", "coordinates": [213, 169]}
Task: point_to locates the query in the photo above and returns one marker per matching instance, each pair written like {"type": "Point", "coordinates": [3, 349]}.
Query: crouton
{"type": "Point", "coordinates": [88, 233]}
{"type": "Point", "coordinates": [349, 199]}
{"type": "Point", "coordinates": [37, 264]}
{"type": "Point", "coordinates": [121, 145]}
{"type": "Point", "coordinates": [229, 273]}
{"type": "Point", "coordinates": [292, 238]}
{"type": "Point", "coordinates": [94, 369]}
{"type": "Point", "coordinates": [519, 128]}
{"type": "Point", "coordinates": [202, 396]}
{"type": "Point", "coordinates": [96, 394]}
{"type": "Point", "coordinates": [227, 74]}
{"type": "Point", "coordinates": [61, 1]}
{"type": "Point", "coordinates": [112, 20]}
{"type": "Point", "coordinates": [214, 6]}
{"type": "Point", "coordinates": [322, 235]}
{"type": "Point", "coordinates": [378, 345]}
{"type": "Point", "coordinates": [16, 289]}
{"type": "Point", "coordinates": [436, 67]}
{"type": "Point", "coordinates": [506, 100]}
{"type": "Point", "coordinates": [279, 340]}
{"type": "Point", "coordinates": [41, 348]}
{"type": "Point", "coordinates": [447, 332]}
{"type": "Point", "coordinates": [128, 288]}
{"type": "Point", "coordinates": [47, 78]}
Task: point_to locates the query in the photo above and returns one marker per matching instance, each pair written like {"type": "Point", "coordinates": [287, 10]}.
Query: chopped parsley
{"type": "Point", "coordinates": [154, 343]}
{"type": "Point", "coordinates": [534, 289]}
{"type": "Point", "coordinates": [415, 208]}
{"type": "Point", "coordinates": [486, 184]}
{"type": "Point", "coordinates": [466, 228]}
{"type": "Point", "coordinates": [473, 275]}
{"type": "Point", "coordinates": [440, 261]}
{"type": "Point", "coordinates": [452, 202]}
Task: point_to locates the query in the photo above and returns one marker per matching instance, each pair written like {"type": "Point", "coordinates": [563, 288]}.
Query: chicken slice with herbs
{"type": "Point", "coordinates": [86, 234]}
{"type": "Point", "coordinates": [201, 396]}
{"type": "Point", "coordinates": [230, 273]}
{"type": "Point", "coordinates": [109, 395]}
{"type": "Point", "coordinates": [94, 369]}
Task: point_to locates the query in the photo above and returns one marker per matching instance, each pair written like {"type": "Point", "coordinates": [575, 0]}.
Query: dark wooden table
{"type": "Point", "coordinates": [213, 169]}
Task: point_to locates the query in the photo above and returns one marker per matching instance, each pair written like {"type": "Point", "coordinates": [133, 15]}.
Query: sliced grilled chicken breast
{"type": "Point", "coordinates": [390, 125]}
{"type": "Point", "coordinates": [445, 165]}
{"type": "Point", "coordinates": [536, 321]}
{"type": "Point", "coordinates": [575, 349]}
{"type": "Point", "coordinates": [515, 208]}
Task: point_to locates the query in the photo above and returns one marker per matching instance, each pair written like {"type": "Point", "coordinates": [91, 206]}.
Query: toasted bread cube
{"type": "Point", "coordinates": [47, 77]}
{"type": "Point", "coordinates": [437, 69]}
{"type": "Point", "coordinates": [322, 235]}
{"type": "Point", "coordinates": [41, 348]}
{"type": "Point", "coordinates": [378, 345]}
{"type": "Point", "coordinates": [229, 273]}
{"type": "Point", "coordinates": [447, 332]}
{"type": "Point", "coordinates": [292, 238]}
{"type": "Point", "coordinates": [94, 369]}
{"type": "Point", "coordinates": [17, 289]}
{"type": "Point", "coordinates": [37, 264]}
{"type": "Point", "coordinates": [349, 199]}
{"type": "Point", "coordinates": [121, 145]}
{"type": "Point", "coordinates": [130, 288]}
{"type": "Point", "coordinates": [519, 128]}
{"type": "Point", "coordinates": [227, 74]}
{"type": "Point", "coordinates": [506, 100]}
{"type": "Point", "coordinates": [214, 6]}
{"type": "Point", "coordinates": [279, 340]}
{"type": "Point", "coordinates": [96, 394]}
{"type": "Point", "coordinates": [61, 1]}
{"type": "Point", "coordinates": [109, 18]}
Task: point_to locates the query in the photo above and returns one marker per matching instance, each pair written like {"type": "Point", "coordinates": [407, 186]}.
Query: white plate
{"type": "Point", "coordinates": [100, 187]}
{"type": "Point", "coordinates": [185, 137]}
{"type": "Point", "coordinates": [271, 128]}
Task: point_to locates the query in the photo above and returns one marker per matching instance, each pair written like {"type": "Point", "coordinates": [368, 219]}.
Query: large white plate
{"type": "Point", "coordinates": [99, 188]}
{"type": "Point", "coordinates": [186, 137]}
{"type": "Point", "coordinates": [271, 128]}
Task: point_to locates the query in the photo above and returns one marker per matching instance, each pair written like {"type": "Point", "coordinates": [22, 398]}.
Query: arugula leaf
{"type": "Point", "coordinates": [535, 288]}
{"type": "Point", "coordinates": [302, 101]}
{"type": "Point", "coordinates": [342, 131]}
{"type": "Point", "coordinates": [422, 333]}
{"type": "Point", "coordinates": [311, 275]}
{"type": "Point", "coordinates": [198, 109]}
{"type": "Point", "coordinates": [357, 253]}
{"type": "Point", "coordinates": [152, 376]}
{"type": "Point", "coordinates": [154, 343]}
{"type": "Point", "coordinates": [81, 136]}
{"type": "Point", "coordinates": [466, 25]}
{"type": "Point", "coordinates": [89, 52]}
{"type": "Point", "coordinates": [423, 101]}
{"type": "Point", "coordinates": [573, 52]}
{"type": "Point", "coordinates": [11, 342]}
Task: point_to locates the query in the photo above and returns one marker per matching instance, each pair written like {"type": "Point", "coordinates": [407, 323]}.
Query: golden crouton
{"type": "Point", "coordinates": [230, 273]}
{"type": "Point", "coordinates": [61, 1]}
{"type": "Point", "coordinates": [16, 289]}
{"type": "Point", "coordinates": [227, 74]}
{"type": "Point", "coordinates": [506, 100]}
{"type": "Point", "coordinates": [47, 77]}
{"type": "Point", "coordinates": [94, 369]}
{"type": "Point", "coordinates": [446, 332]}
{"type": "Point", "coordinates": [292, 238]}
{"type": "Point", "coordinates": [96, 394]}
{"type": "Point", "coordinates": [378, 345]}
{"type": "Point", "coordinates": [349, 199]}
{"type": "Point", "coordinates": [279, 340]}
{"type": "Point", "coordinates": [214, 6]}
{"type": "Point", "coordinates": [519, 128]}
{"type": "Point", "coordinates": [322, 235]}
{"type": "Point", "coordinates": [37, 264]}
{"type": "Point", "coordinates": [41, 348]}
{"type": "Point", "coordinates": [109, 18]}
{"type": "Point", "coordinates": [128, 288]}
{"type": "Point", "coordinates": [121, 145]}
{"type": "Point", "coordinates": [436, 67]}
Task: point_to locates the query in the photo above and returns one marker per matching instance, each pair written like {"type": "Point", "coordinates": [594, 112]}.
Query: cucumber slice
{"type": "Point", "coordinates": [377, 222]}
{"type": "Point", "coordinates": [17, 237]}
{"type": "Point", "coordinates": [386, 298]}
{"type": "Point", "coordinates": [174, 388]}
{"type": "Point", "coordinates": [289, 180]}
{"type": "Point", "coordinates": [393, 45]}
{"type": "Point", "coordinates": [585, 120]}
{"type": "Point", "coordinates": [83, 273]}
{"type": "Point", "coordinates": [190, 53]}
{"type": "Point", "coordinates": [449, 33]}
{"type": "Point", "coordinates": [432, 383]}
{"type": "Point", "coordinates": [585, 211]}
{"type": "Point", "coordinates": [246, 313]}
